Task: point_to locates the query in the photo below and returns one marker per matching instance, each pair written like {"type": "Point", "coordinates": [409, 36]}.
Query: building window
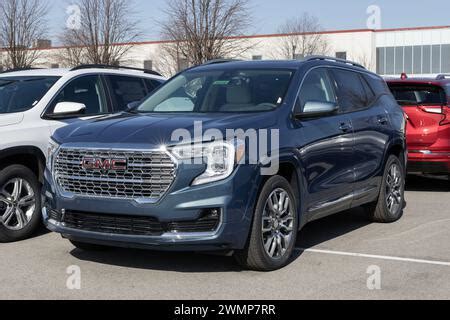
{"type": "Point", "coordinates": [417, 59]}
{"type": "Point", "coordinates": [408, 63]}
{"type": "Point", "coordinates": [436, 59]}
{"type": "Point", "coordinates": [429, 59]}
{"type": "Point", "coordinates": [257, 57]}
{"type": "Point", "coordinates": [445, 58]}
{"type": "Point", "coordinates": [426, 59]}
{"type": "Point", "coordinates": [381, 59]}
{"type": "Point", "coordinates": [399, 60]}
{"type": "Point", "coordinates": [54, 66]}
{"type": "Point", "coordinates": [390, 60]}
{"type": "Point", "coordinates": [341, 55]}
{"type": "Point", "coordinates": [148, 64]}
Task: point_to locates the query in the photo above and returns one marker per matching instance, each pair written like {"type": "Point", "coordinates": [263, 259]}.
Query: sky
{"type": "Point", "coordinates": [270, 14]}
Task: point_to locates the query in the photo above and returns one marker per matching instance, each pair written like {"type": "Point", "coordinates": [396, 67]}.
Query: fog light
{"type": "Point", "coordinates": [210, 214]}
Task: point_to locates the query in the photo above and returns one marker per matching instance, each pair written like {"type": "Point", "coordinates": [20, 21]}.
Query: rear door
{"type": "Point", "coordinates": [423, 103]}
{"type": "Point", "coordinates": [371, 131]}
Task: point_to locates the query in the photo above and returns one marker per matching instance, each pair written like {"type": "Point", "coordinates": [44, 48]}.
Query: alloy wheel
{"type": "Point", "coordinates": [278, 224]}
{"type": "Point", "coordinates": [17, 204]}
{"type": "Point", "coordinates": [394, 189]}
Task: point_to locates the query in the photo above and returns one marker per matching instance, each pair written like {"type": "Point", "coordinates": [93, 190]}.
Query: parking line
{"type": "Point", "coordinates": [360, 255]}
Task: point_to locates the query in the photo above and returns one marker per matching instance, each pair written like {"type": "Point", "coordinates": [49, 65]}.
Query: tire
{"type": "Point", "coordinates": [255, 256]}
{"type": "Point", "coordinates": [88, 246]}
{"type": "Point", "coordinates": [22, 211]}
{"type": "Point", "coordinates": [391, 201]}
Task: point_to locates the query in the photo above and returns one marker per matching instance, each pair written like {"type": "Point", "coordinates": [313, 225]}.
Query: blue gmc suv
{"type": "Point", "coordinates": [231, 156]}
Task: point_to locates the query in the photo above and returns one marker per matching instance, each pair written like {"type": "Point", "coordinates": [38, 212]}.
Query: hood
{"type": "Point", "coordinates": [156, 129]}
{"type": "Point", "coordinates": [10, 119]}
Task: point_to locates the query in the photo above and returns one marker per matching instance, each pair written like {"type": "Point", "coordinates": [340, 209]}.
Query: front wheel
{"type": "Point", "coordinates": [391, 201]}
{"type": "Point", "coordinates": [20, 203]}
{"type": "Point", "coordinates": [274, 229]}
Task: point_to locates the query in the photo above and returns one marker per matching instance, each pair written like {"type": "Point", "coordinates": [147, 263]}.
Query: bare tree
{"type": "Point", "coordinates": [202, 30]}
{"type": "Point", "coordinates": [105, 32]}
{"type": "Point", "coordinates": [302, 37]}
{"type": "Point", "coordinates": [22, 24]}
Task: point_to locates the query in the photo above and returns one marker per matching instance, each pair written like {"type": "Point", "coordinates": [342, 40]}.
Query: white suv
{"type": "Point", "coordinates": [36, 102]}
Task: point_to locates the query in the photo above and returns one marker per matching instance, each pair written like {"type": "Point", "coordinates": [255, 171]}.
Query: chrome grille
{"type": "Point", "coordinates": [149, 174]}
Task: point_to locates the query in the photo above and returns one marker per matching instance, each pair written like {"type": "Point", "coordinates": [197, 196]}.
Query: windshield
{"type": "Point", "coordinates": [221, 91]}
{"type": "Point", "coordinates": [419, 95]}
{"type": "Point", "coordinates": [23, 93]}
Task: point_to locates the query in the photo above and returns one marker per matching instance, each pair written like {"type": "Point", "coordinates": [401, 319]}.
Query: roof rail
{"type": "Point", "coordinates": [443, 76]}
{"type": "Point", "coordinates": [19, 69]}
{"type": "Point", "coordinates": [218, 61]}
{"type": "Point", "coordinates": [105, 66]}
{"type": "Point", "coordinates": [355, 64]}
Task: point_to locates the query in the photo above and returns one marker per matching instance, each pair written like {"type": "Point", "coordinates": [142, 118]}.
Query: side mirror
{"type": "Point", "coordinates": [314, 109]}
{"type": "Point", "coordinates": [133, 105]}
{"type": "Point", "coordinates": [68, 108]}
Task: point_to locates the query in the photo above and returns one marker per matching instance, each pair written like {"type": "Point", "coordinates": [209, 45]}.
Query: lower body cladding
{"type": "Point", "coordinates": [215, 217]}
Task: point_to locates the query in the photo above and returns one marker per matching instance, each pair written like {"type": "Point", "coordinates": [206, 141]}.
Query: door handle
{"type": "Point", "coordinates": [345, 127]}
{"type": "Point", "coordinates": [383, 120]}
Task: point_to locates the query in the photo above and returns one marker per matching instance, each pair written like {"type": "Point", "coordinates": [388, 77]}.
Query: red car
{"type": "Point", "coordinates": [426, 102]}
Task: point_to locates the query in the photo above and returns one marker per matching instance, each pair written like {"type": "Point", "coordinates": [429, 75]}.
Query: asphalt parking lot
{"type": "Point", "coordinates": [333, 258]}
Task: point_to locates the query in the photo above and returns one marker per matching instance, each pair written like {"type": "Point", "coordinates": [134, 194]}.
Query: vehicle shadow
{"type": "Point", "coordinates": [185, 262]}
{"type": "Point", "coordinates": [428, 183]}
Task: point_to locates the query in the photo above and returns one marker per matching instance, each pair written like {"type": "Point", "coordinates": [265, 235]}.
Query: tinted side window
{"type": "Point", "coordinates": [126, 90]}
{"type": "Point", "coordinates": [87, 90]}
{"type": "Point", "coordinates": [370, 95]}
{"type": "Point", "coordinates": [316, 87]}
{"type": "Point", "coordinates": [152, 84]}
{"type": "Point", "coordinates": [378, 85]}
{"type": "Point", "coordinates": [350, 90]}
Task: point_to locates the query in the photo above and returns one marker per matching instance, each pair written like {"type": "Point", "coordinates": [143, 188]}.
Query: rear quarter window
{"type": "Point", "coordinates": [378, 85]}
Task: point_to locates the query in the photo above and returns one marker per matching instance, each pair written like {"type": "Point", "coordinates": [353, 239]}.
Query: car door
{"type": "Point", "coordinates": [327, 149]}
{"type": "Point", "coordinates": [88, 90]}
{"type": "Point", "coordinates": [128, 89]}
{"type": "Point", "coordinates": [371, 128]}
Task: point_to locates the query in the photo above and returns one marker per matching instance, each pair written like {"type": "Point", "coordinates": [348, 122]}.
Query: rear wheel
{"type": "Point", "coordinates": [391, 201]}
{"type": "Point", "coordinates": [20, 203]}
{"type": "Point", "coordinates": [274, 228]}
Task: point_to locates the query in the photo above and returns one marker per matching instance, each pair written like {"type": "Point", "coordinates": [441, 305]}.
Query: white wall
{"type": "Point", "coordinates": [360, 46]}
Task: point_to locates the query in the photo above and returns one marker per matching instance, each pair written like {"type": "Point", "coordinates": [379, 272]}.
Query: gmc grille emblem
{"type": "Point", "coordinates": [104, 165]}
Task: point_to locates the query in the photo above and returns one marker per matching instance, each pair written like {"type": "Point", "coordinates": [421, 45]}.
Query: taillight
{"type": "Point", "coordinates": [437, 110]}
{"type": "Point", "coordinates": [446, 113]}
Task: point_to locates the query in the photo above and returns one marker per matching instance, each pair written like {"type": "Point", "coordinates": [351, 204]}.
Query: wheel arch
{"type": "Point", "coordinates": [28, 156]}
{"type": "Point", "coordinates": [290, 169]}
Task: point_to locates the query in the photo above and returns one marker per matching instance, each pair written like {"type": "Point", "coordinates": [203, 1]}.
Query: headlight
{"type": "Point", "coordinates": [51, 150]}
{"type": "Point", "coordinates": [220, 157]}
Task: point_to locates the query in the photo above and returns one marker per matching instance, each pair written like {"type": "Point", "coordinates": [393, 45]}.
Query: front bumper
{"type": "Point", "coordinates": [234, 197]}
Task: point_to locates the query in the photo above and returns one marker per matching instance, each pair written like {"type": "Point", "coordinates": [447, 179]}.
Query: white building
{"type": "Point", "coordinates": [421, 51]}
